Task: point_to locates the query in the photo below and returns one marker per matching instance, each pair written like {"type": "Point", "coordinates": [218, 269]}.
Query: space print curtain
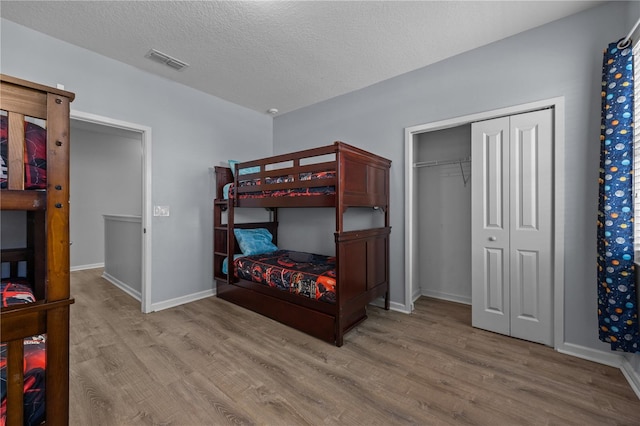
{"type": "Point", "coordinates": [617, 301]}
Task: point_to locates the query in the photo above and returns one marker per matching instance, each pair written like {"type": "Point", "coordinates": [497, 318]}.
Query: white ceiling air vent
{"type": "Point", "coordinates": [163, 58]}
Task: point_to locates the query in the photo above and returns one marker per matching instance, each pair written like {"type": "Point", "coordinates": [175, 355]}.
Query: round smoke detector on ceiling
{"type": "Point", "coordinates": [272, 111]}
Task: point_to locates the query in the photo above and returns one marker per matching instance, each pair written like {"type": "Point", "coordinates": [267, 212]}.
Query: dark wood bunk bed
{"type": "Point", "coordinates": [45, 258]}
{"type": "Point", "coordinates": [351, 177]}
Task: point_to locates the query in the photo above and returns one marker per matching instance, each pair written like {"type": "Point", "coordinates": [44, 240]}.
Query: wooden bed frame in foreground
{"type": "Point", "coordinates": [362, 256]}
{"type": "Point", "coordinates": [47, 250]}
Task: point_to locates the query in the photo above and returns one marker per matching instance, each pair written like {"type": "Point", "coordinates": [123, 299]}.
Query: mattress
{"type": "Point", "coordinates": [15, 292]}
{"type": "Point", "coordinates": [314, 277]}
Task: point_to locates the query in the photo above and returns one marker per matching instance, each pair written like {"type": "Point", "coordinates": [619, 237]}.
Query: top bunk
{"type": "Point", "coordinates": [34, 136]}
{"type": "Point", "coordinates": [338, 175]}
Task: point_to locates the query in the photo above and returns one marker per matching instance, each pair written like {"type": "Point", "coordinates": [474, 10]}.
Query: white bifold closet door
{"type": "Point", "coordinates": [512, 226]}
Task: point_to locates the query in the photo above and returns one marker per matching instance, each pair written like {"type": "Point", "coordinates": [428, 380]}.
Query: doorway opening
{"type": "Point", "coordinates": [412, 212]}
{"type": "Point", "coordinates": [143, 133]}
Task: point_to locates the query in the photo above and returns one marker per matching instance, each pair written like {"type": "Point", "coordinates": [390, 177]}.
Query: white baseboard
{"type": "Point", "coordinates": [612, 359]}
{"type": "Point", "coordinates": [632, 376]}
{"type": "Point", "coordinates": [122, 286]}
{"type": "Point", "coordinates": [394, 306]}
{"type": "Point", "coordinates": [399, 307]}
{"type": "Point", "coordinates": [171, 303]}
{"type": "Point", "coordinates": [84, 267]}
{"type": "Point", "coordinates": [447, 296]}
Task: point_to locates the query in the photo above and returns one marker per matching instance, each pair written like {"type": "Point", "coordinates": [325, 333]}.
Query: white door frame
{"type": "Point", "coordinates": [410, 138]}
{"type": "Point", "coordinates": [145, 133]}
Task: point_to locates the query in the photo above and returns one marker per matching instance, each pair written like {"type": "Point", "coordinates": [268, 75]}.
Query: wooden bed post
{"type": "Point", "coordinates": [57, 197]}
{"type": "Point", "coordinates": [339, 327]}
{"type": "Point", "coordinates": [231, 241]}
{"type": "Point", "coordinates": [36, 256]}
{"type": "Point", "coordinates": [57, 372]}
{"type": "Point", "coordinates": [15, 383]}
{"type": "Point", "coordinates": [274, 218]}
{"type": "Point", "coordinates": [387, 224]}
{"type": "Point", "coordinates": [340, 182]}
{"type": "Point", "coordinates": [47, 246]}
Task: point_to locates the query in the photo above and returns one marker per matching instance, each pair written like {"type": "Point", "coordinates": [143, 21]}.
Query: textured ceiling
{"type": "Point", "coordinates": [284, 54]}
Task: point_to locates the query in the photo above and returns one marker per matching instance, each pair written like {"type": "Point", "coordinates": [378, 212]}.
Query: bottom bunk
{"type": "Point", "coordinates": [34, 350]}
{"type": "Point", "coordinates": [319, 295]}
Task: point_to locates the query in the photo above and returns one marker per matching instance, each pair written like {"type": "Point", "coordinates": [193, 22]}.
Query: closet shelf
{"type": "Point", "coordinates": [441, 162]}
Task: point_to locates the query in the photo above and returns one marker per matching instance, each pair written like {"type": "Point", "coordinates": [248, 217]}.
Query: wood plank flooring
{"type": "Point", "coordinates": [213, 363]}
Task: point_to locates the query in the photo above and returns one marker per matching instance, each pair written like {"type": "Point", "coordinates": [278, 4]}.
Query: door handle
{"type": "Point", "coordinates": [493, 239]}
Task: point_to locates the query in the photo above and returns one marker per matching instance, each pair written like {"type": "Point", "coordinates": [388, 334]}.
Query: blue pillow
{"type": "Point", "coordinates": [245, 171]}
{"type": "Point", "coordinates": [255, 241]}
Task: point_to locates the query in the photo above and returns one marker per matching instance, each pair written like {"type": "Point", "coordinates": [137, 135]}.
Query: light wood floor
{"type": "Point", "coordinates": [210, 363]}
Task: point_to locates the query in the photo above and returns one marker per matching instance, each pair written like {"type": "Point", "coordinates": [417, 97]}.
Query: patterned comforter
{"type": "Point", "coordinates": [291, 192]}
{"type": "Point", "coordinates": [35, 156]}
{"type": "Point", "coordinates": [304, 274]}
{"type": "Point", "coordinates": [18, 292]}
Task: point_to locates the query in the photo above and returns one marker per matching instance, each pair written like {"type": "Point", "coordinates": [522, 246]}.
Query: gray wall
{"type": "Point", "coordinates": [106, 178]}
{"type": "Point", "coordinates": [123, 252]}
{"type": "Point", "coordinates": [563, 58]}
{"type": "Point", "coordinates": [191, 131]}
{"type": "Point", "coordinates": [13, 229]}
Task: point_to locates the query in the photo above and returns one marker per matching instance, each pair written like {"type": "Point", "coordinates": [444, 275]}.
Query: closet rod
{"type": "Point", "coordinates": [626, 41]}
{"type": "Point", "coordinates": [441, 162]}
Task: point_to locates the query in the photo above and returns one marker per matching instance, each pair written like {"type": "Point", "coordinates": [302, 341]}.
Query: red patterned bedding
{"type": "Point", "coordinates": [13, 292]}
{"type": "Point", "coordinates": [290, 192]}
{"type": "Point", "coordinates": [35, 155]}
{"type": "Point", "coordinates": [305, 274]}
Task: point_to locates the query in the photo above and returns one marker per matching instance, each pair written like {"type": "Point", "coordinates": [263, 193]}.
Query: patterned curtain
{"type": "Point", "coordinates": [617, 300]}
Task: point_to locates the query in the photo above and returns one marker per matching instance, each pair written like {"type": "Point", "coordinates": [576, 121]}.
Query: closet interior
{"type": "Point", "coordinates": [443, 164]}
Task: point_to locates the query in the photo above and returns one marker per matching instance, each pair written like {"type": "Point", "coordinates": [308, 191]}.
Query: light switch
{"type": "Point", "coordinates": [161, 210]}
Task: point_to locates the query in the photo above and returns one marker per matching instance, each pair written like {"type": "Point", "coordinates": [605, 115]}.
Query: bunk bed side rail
{"type": "Point", "coordinates": [273, 167]}
{"type": "Point", "coordinates": [336, 147]}
{"type": "Point", "coordinates": [293, 173]}
{"type": "Point", "coordinates": [292, 156]}
{"type": "Point", "coordinates": [4, 78]}
{"type": "Point", "coordinates": [23, 100]}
